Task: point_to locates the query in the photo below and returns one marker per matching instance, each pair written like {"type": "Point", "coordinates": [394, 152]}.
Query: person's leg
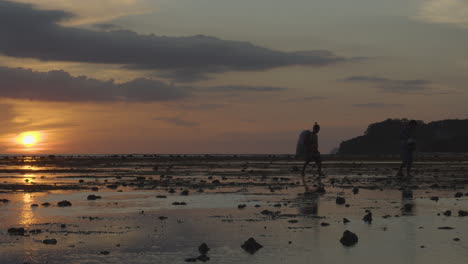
{"type": "Point", "coordinates": [400, 170]}
{"type": "Point", "coordinates": [303, 175]}
{"type": "Point", "coordinates": [304, 167]}
{"type": "Point", "coordinates": [409, 164]}
{"type": "Point", "coordinates": [404, 158]}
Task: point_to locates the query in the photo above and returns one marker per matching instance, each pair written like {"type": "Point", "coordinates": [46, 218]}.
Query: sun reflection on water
{"type": "Point", "coordinates": [27, 215]}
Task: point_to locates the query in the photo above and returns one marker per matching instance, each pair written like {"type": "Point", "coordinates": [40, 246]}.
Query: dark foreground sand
{"type": "Point", "coordinates": [143, 215]}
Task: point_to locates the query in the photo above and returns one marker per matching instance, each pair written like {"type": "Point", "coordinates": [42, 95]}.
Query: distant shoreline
{"type": "Point", "coordinates": [326, 157]}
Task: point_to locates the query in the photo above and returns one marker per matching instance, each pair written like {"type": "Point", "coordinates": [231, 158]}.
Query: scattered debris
{"type": "Point", "coordinates": [51, 241]}
{"type": "Point", "coordinates": [340, 200]}
{"type": "Point", "coordinates": [64, 204]}
{"type": "Point", "coordinates": [355, 190]}
{"type": "Point", "coordinates": [16, 231]}
{"type": "Point", "coordinates": [203, 249]}
{"type": "Point", "coordinates": [368, 218]}
{"type": "Point", "coordinates": [349, 238]}
{"type": "Point", "coordinates": [93, 197]}
{"type": "Point", "coordinates": [251, 246]}
{"type": "Point", "coordinates": [445, 228]}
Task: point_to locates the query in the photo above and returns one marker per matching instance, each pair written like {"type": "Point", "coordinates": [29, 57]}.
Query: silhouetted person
{"type": "Point", "coordinates": [408, 145]}
{"type": "Point", "coordinates": [308, 150]}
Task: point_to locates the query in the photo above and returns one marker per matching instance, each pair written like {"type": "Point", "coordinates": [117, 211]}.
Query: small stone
{"type": "Point", "coordinates": [203, 249]}
{"type": "Point", "coordinates": [355, 190]}
{"type": "Point", "coordinates": [340, 200]}
{"type": "Point", "coordinates": [349, 238]}
{"type": "Point", "coordinates": [16, 231]}
{"type": "Point", "coordinates": [293, 221]}
{"type": "Point", "coordinates": [63, 226]}
{"type": "Point", "coordinates": [64, 204]}
{"type": "Point", "coordinates": [445, 228]}
{"type": "Point", "coordinates": [46, 204]}
{"type": "Point", "coordinates": [456, 239]}
{"type": "Point", "coordinates": [241, 206]}
{"type": "Point", "coordinates": [93, 197]}
{"type": "Point", "coordinates": [162, 218]}
{"type": "Point", "coordinates": [251, 246]}
{"type": "Point", "coordinates": [345, 220]}
{"type": "Point", "coordinates": [161, 196]}
{"type": "Point", "coordinates": [368, 218]}
{"type": "Point", "coordinates": [112, 186]}
{"type": "Point", "coordinates": [105, 252]}
{"type": "Point", "coordinates": [35, 231]}
{"type": "Point", "coordinates": [462, 213]}
{"type": "Point", "coordinates": [458, 195]}
{"type": "Point", "coordinates": [448, 213]}
{"type": "Point", "coordinates": [324, 224]}
{"type": "Point", "coordinates": [52, 241]}
{"type": "Point", "coordinates": [190, 260]}
{"type": "Point", "coordinates": [184, 192]}
{"type": "Point", "coordinates": [95, 189]}
{"type": "Point", "coordinates": [203, 258]}
{"type": "Point", "coordinates": [34, 205]}
{"type": "Point", "coordinates": [435, 198]}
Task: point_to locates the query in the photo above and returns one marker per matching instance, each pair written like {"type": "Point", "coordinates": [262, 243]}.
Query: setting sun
{"type": "Point", "coordinates": [29, 139]}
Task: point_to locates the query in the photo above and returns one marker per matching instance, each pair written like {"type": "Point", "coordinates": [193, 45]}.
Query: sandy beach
{"type": "Point", "coordinates": [140, 213]}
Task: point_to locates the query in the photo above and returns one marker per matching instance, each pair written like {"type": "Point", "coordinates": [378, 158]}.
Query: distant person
{"type": "Point", "coordinates": [408, 145]}
{"type": "Point", "coordinates": [307, 148]}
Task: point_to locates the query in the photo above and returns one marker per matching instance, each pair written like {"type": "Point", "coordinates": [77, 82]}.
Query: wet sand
{"type": "Point", "coordinates": [143, 215]}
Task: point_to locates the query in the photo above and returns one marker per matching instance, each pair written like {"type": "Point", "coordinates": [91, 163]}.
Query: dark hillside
{"type": "Point", "coordinates": [384, 137]}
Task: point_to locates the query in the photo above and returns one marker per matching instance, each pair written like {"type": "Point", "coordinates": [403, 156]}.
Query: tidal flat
{"type": "Point", "coordinates": [161, 209]}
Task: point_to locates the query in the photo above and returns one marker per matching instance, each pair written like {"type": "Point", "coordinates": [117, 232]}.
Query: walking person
{"type": "Point", "coordinates": [307, 149]}
{"type": "Point", "coordinates": [408, 146]}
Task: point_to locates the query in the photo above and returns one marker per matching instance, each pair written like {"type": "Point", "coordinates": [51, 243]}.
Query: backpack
{"type": "Point", "coordinates": [300, 146]}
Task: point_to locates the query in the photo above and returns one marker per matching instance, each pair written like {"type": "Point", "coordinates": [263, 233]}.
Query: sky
{"type": "Point", "coordinates": [223, 76]}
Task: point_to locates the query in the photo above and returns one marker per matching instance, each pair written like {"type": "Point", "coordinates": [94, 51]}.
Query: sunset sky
{"type": "Point", "coordinates": [223, 76]}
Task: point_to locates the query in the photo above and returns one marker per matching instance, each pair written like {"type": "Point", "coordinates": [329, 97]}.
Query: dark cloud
{"type": "Point", "coordinates": [199, 107]}
{"type": "Point", "coordinates": [61, 86]}
{"type": "Point", "coordinates": [243, 88]}
{"type": "Point", "coordinates": [307, 99]}
{"type": "Point", "coordinates": [377, 105]}
{"type": "Point", "coordinates": [177, 121]}
{"type": "Point", "coordinates": [29, 32]}
{"type": "Point", "coordinates": [106, 27]}
{"type": "Point", "coordinates": [391, 85]}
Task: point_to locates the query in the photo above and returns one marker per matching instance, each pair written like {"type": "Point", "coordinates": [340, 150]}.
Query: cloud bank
{"type": "Point", "coordinates": [27, 32]}
{"type": "Point", "coordinates": [18, 83]}
{"type": "Point", "coordinates": [453, 12]}
{"type": "Point", "coordinates": [60, 86]}
{"type": "Point", "coordinates": [392, 85]}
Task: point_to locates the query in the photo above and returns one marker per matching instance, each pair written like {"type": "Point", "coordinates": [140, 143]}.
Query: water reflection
{"type": "Point", "coordinates": [407, 202]}
{"type": "Point", "coordinates": [27, 215]}
{"type": "Point", "coordinates": [309, 203]}
{"type": "Point", "coordinates": [28, 178]}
